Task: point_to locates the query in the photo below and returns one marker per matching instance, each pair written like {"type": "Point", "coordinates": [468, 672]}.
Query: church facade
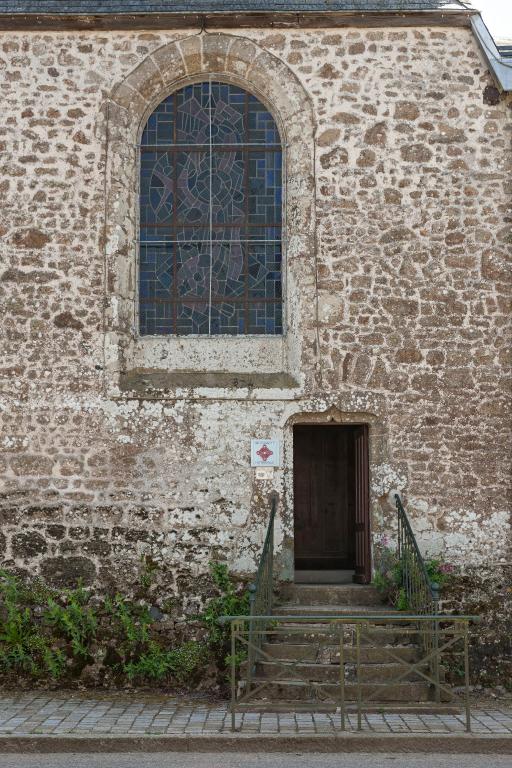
{"type": "Point", "coordinates": [266, 230]}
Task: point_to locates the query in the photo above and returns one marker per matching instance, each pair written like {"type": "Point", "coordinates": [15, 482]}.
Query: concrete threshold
{"type": "Point", "coordinates": [463, 743]}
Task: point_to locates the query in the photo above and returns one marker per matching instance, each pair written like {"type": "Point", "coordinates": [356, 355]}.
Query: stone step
{"type": "Point", "coordinates": [418, 708]}
{"type": "Point", "coordinates": [265, 705]}
{"type": "Point", "coordinates": [313, 672]}
{"type": "Point", "coordinates": [323, 577]}
{"type": "Point", "coordinates": [330, 654]}
{"type": "Point", "coordinates": [297, 690]}
{"type": "Point", "coordinates": [327, 633]}
{"type": "Point", "coordinates": [329, 594]}
{"type": "Point", "coordinates": [328, 609]}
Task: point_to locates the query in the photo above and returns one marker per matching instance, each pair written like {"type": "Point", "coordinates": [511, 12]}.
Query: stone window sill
{"type": "Point", "coordinates": [208, 354]}
{"type": "Point", "coordinates": [150, 384]}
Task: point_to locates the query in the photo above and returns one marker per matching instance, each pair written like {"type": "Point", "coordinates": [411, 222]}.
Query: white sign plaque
{"type": "Point", "coordinates": [264, 453]}
{"type": "Point", "coordinates": [264, 473]}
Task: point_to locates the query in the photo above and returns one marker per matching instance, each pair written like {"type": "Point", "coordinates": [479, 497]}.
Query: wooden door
{"type": "Point", "coordinates": [324, 497]}
{"type": "Point", "coordinates": [363, 573]}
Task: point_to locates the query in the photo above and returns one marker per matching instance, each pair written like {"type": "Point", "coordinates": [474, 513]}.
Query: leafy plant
{"type": "Point", "coordinates": [74, 620]}
{"type": "Point", "coordinates": [54, 634]}
{"type": "Point", "coordinates": [156, 663]}
{"type": "Point", "coordinates": [129, 632]}
{"type": "Point", "coordinates": [187, 659]}
{"type": "Point", "coordinates": [23, 648]}
{"type": "Point", "coordinates": [389, 575]}
{"type": "Point", "coordinates": [230, 601]}
{"type": "Point", "coordinates": [149, 567]}
{"type": "Point", "coordinates": [439, 571]}
{"type": "Point", "coordinates": [401, 601]}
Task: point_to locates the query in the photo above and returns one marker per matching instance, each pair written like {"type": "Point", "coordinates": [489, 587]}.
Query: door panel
{"type": "Point", "coordinates": [324, 497]}
{"type": "Point", "coordinates": [361, 511]}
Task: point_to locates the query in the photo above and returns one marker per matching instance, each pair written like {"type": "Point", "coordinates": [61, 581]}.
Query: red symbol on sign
{"type": "Point", "coordinates": [264, 452]}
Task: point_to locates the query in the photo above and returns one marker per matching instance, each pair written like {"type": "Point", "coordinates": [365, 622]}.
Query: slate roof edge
{"type": "Point", "coordinates": [217, 18]}
{"type": "Point", "coordinates": [465, 8]}
{"type": "Point", "coordinates": [500, 66]}
{"type": "Point", "coordinates": [139, 7]}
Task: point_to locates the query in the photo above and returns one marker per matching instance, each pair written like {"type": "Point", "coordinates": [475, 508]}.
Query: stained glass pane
{"type": "Point", "coordinates": [210, 215]}
{"type": "Point", "coordinates": [156, 188]}
{"type": "Point", "coordinates": [262, 128]}
{"type": "Point", "coordinates": [228, 196]}
{"type": "Point", "coordinates": [193, 269]}
{"type": "Point", "coordinates": [156, 271]}
{"type": "Point", "coordinates": [193, 114]}
{"type": "Point", "coordinates": [228, 114]}
{"type": "Point", "coordinates": [160, 126]}
{"type": "Point", "coordinates": [193, 188]}
{"type": "Point", "coordinates": [264, 268]}
{"type": "Point", "coordinates": [265, 188]}
{"type": "Point", "coordinates": [265, 317]}
{"type": "Point", "coordinates": [227, 317]}
{"type": "Point", "coordinates": [192, 318]}
{"type": "Point", "coordinates": [228, 270]}
{"type": "Point", "coordinates": [157, 317]}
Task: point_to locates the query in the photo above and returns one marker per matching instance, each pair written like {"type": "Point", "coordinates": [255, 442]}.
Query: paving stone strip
{"type": "Point", "coordinates": [43, 714]}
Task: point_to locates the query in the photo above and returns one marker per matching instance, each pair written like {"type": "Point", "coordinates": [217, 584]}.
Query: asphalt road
{"type": "Point", "coordinates": [239, 760]}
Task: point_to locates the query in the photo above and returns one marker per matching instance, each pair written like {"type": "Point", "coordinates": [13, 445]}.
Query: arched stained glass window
{"type": "Point", "coordinates": [210, 215]}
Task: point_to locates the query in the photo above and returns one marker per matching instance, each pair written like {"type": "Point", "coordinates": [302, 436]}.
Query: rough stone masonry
{"type": "Point", "coordinates": [398, 159]}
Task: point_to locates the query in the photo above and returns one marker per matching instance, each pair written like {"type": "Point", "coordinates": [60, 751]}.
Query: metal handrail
{"type": "Point", "coordinates": [261, 592]}
{"type": "Point", "coordinates": [422, 593]}
{"type": "Point", "coordinates": [392, 618]}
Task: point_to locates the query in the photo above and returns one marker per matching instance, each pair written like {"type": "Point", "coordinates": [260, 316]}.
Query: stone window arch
{"type": "Point", "coordinates": [242, 63]}
{"type": "Point", "coordinates": [210, 223]}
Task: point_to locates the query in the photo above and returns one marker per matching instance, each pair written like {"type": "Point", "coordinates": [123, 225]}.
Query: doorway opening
{"type": "Point", "coordinates": [331, 503]}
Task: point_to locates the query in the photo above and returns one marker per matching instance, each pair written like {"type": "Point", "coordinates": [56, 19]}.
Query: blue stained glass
{"type": "Point", "coordinates": [227, 317]}
{"type": "Point", "coordinates": [156, 272]}
{"type": "Point", "coordinates": [156, 188]}
{"type": "Point", "coordinates": [264, 271]}
{"type": "Point", "coordinates": [228, 270]}
{"type": "Point", "coordinates": [157, 317]}
{"type": "Point", "coordinates": [160, 126]}
{"type": "Point", "coordinates": [265, 318]}
{"type": "Point", "coordinates": [227, 187]}
{"type": "Point", "coordinates": [192, 318]}
{"type": "Point", "coordinates": [193, 269]}
{"type": "Point", "coordinates": [228, 114]}
{"type": "Point", "coordinates": [192, 115]}
{"type": "Point", "coordinates": [210, 215]}
{"type": "Point", "coordinates": [193, 188]}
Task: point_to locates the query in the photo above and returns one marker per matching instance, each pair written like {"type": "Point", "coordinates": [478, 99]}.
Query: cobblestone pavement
{"type": "Point", "coordinates": [137, 715]}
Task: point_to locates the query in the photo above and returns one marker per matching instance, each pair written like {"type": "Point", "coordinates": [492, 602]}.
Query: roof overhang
{"type": "Point", "coordinates": [223, 19]}
{"type": "Point", "coordinates": [500, 65]}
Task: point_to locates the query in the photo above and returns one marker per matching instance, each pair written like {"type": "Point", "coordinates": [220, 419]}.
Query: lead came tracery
{"type": "Point", "coordinates": [210, 215]}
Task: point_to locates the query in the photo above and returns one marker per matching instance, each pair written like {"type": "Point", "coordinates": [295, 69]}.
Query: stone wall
{"type": "Point", "coordinates": [485, 592]}
{"type": "Point", "coordinates": [398, 299]}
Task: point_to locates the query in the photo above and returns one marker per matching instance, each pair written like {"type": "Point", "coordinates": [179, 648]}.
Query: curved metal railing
{"type": "Point", "coordinates": [421, 593]}
{"type": "Point", "coordinates": [261, 592]}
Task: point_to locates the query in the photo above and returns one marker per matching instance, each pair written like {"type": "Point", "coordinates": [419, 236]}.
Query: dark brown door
{"type": "Point", "coordinates": [323, 497]}
{"type": "Point", "coordinates": [363, 573]}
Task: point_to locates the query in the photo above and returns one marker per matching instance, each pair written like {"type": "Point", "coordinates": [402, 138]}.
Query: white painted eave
{"type": "Point", "coordinates": [500, 66]}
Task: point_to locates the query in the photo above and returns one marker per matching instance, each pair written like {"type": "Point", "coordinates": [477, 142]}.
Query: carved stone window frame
{"type": "Point", "coordinates": [242, 62]}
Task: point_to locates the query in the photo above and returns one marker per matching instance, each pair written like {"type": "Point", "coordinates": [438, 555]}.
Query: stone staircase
{"type": "Point", "coordinates": [300, 663]}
